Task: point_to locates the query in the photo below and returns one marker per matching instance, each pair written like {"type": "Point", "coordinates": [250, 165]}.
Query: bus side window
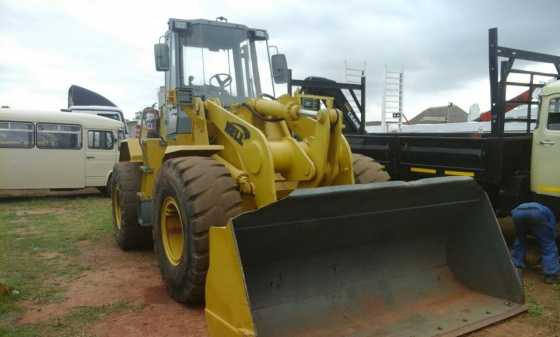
{"type": "Point", "coordinates": [554, 114]}
{"type": "Point", "coordinates": [16, 134]}
{"type": "Point", "coordinates": [101, 140]}
{"type": "Point", "coordinates": [59, 136]}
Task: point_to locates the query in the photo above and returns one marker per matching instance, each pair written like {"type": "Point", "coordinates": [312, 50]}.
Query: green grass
{"type": "Point", "coordinates": [534, 308]}
{"type": "Point", "coordinates": [39, 246]}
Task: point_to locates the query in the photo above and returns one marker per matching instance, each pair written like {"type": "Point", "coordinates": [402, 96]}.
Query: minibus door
{"type": "Point", "coordinates": [101, 155]}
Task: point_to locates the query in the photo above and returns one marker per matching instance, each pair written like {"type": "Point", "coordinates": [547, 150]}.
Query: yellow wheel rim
{"type": "Point", "coordinates": [172, 231]}
{"type": "Point", "coordinates": [116, 207]}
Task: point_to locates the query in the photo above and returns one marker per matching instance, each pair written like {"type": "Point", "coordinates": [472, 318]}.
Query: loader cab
{"type": "Point", "coordinates": [215, 59]}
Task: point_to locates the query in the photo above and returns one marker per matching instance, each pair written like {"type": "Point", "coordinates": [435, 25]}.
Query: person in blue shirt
{"type": "Point", "coordinates": [539, 220]}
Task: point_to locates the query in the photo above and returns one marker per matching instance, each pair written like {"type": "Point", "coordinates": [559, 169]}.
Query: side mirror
{"type": "Point", "coordinates": [161, 51]}
{"type": "Point", "coordinates": [279, 68]}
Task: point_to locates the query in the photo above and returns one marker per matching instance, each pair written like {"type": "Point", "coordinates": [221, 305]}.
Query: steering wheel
{"type": "Point", "coordinates": [223, 79]}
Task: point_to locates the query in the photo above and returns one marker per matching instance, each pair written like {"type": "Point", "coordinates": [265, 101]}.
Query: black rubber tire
{"type": "Point", "coordinates": [207, 196]}
{"type": "Point", "coordinates": [126, 182]}
{"type": "Point", "coordinates": [367, 170]}
{"type": "Point", "coordinates": [109, 187]}
{"type": "Point", "coordinates": [106, 190]}
{"type": "Point", "coordinates": [103, 191]}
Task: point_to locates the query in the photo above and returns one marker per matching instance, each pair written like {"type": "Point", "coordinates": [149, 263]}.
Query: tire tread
{"type": "Point", "coordinates": [212, 198]}
{"type": "Point", "coordinates": [131, 235]}
{"type": "Point", "coordinates": [367, 170]}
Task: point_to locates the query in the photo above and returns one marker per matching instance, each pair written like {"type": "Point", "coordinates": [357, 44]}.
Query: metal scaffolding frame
{"type": "Point", "coordinates": [392, 104]}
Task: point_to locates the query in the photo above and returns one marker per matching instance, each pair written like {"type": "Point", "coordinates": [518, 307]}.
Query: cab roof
{"type": "Point", "coordinates": [551, 88]}
{"type": "Point", "coordinates": [215, 34]}
{"type": "Point", "coordinates": [183, 24]}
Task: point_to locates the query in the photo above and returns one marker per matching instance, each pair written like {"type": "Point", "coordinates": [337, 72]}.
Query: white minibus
{"type": "Point", "coordinates": [56, 150]}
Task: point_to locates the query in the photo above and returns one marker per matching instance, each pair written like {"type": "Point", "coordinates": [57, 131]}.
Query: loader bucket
{"type": "Point", "coordinates": [423, 258]}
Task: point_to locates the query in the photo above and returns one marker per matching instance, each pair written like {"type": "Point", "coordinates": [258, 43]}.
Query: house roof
{"type": "Point", "coordinates": [440, 114]}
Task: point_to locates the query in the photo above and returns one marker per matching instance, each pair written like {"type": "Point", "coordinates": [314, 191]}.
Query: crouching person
{"type": "Point", "coordinates": [538, 220]}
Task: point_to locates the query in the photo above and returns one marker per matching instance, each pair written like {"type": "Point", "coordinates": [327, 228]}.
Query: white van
{"type": "Point", "coordinates": [104, 111]}
{"type": "Point", "coordinates": [84, 100]}
{"type": "Point", "coordinates": [56, 150]}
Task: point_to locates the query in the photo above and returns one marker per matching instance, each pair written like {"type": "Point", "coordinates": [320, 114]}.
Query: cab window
{"type": "Point", "coordinates": [101, 140]}
{"type": "Point", "coordinates": [16, 134]}
{"type": "Point", "coordinates": [554, 114]}
{"type": "Point", "coordinates": [59, 136]}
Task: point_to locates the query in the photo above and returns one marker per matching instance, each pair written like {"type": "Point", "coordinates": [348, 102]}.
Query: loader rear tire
{"type": "Point", "coordinates": [127, 232]}
{"type": "Point", "coordinates": [367, 170]}
{"type": "Point", "coordinates": [192, 194]}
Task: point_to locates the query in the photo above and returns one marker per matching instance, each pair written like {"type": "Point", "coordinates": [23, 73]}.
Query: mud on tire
{"type": "Point", "coordinates": [125, 183]}
{"type": "Point", "coordinates": [206, 196]}
{"type": "Point", "coordinates": [367, 170]}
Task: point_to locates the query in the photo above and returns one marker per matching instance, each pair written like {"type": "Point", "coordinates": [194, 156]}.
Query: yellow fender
{"type": "Point", "coordinates": [130, 150]}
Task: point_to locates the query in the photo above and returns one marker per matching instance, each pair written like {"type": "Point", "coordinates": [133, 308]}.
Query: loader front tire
{"type": "Point", "coordinates": [367, 170]}
{"type": "Point", "coordinates": [125, 183]}
{"type": "Point", "coordinates": [192, 194]}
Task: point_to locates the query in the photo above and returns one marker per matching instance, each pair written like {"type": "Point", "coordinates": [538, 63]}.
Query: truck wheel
{"type": "Point", "coordinates": [125, 183]}
{"type": "Point", "coordinates": [192, 194]}
{"type": "Point", "coordinates": [367, 170]}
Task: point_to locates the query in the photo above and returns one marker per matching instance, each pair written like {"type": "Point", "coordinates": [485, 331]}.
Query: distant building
{"type": "Point", "coordinates": [441, 114]}
{"type": "Point", "coordinates": [132, 128]}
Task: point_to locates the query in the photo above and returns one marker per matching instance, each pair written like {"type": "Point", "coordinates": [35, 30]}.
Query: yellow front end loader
{"type": "Point", "coordinates": [256, 207]}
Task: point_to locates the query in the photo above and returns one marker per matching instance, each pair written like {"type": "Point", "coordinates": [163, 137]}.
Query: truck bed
{"type": "Point", "coordinates": [500, 164]}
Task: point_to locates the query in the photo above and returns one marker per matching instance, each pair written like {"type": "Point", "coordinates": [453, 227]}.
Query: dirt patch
{"type": "Point", "coordinates": [50, 255]}
{"type": "Point", "coordinates": [117, 276]}
{"type": "Point", "coordinates": [113, 276]}
{"type": "Point", "coordinates": [160, 317]}
{"type": "Point", "coordinates": [513, 327]}
{"type": "Point", "coordinates": [543, 318]}
{"type": "Point", "coordinates": [4, 290]}
{"type": "Point", "coordinates": [23, 232]}
{"type": "Point", "coordinates": [39, 211]}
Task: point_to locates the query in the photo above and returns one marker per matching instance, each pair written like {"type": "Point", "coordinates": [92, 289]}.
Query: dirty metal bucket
{"type": "Point", "coordinates": [423, 258]}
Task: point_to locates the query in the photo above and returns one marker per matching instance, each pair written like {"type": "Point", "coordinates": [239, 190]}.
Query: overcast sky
{"type": "Point", "coordinates": [107, 46]}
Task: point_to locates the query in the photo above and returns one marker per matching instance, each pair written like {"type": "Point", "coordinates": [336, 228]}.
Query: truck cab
{"type": "Point", "coordinates": [545, 159]}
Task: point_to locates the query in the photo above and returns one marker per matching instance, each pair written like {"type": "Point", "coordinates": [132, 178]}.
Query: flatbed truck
{"type": "Point", "coordinates": [513, 167]}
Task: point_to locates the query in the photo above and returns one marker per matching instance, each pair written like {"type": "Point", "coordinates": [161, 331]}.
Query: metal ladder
{"type": "Point", "coordinates": [392, 104]}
